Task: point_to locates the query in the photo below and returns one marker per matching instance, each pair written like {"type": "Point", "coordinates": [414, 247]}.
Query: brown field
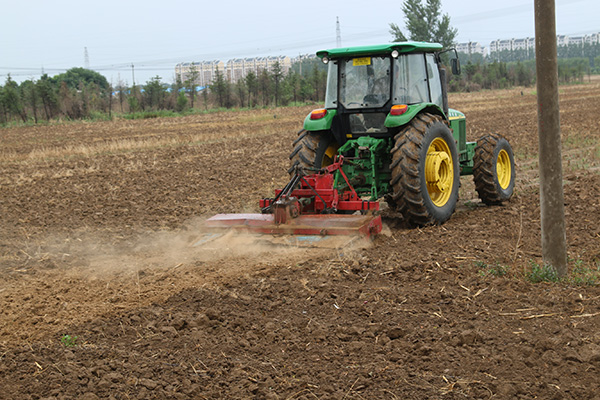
{"type": "Point", "coordinates": [96, 220]}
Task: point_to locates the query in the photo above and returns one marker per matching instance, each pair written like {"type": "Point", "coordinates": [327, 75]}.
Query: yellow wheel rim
{"type": "Point", "coordinates": [439, 172]}
{"type": "Point", "coordinates": [503, 169]}
{"type": "Point", "coordinates": [329, 155]}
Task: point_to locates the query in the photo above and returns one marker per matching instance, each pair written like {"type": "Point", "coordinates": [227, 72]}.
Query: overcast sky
{"type": "Point", "coordinates": [156, 35]}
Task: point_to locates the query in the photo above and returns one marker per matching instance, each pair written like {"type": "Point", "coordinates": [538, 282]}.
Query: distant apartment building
{"type": "Point", "coordinates": [501, 45]}
{"type": "Point", "coordinates": [577, 40]}
{"type": "Point", "coordinates": [471, 48]}
{"type": "Point", "coordinates": [233, 70]}
{"type": "Point", "coordinates": [519, 44]}
{"type": "Point", "coordinates": [529, 43]}
{"type": "Point", "coordinates": [238, 68]}
{"type": "Point", "coordinates": [205, 71]}
{"type": "Point", "coordinates": [563, 40]}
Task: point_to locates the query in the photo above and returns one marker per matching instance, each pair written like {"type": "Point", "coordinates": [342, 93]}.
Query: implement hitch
{"type": "Point", "coordinates": [310, 204]}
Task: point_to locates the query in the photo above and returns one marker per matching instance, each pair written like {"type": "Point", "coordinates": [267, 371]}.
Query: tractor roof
{"type": "Point", "coordinates": [402, 47]}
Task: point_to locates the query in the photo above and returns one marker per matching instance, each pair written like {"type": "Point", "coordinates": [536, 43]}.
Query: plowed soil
{"type": "Point", "coordinates": [103, 297]}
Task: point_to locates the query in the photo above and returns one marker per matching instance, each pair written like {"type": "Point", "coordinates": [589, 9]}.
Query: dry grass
{"type": "Point", "coordinates": [28, 145]}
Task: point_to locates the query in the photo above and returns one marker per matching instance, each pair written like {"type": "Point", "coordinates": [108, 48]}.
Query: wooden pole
{"type": "Point", "coordinates": [554, 248]}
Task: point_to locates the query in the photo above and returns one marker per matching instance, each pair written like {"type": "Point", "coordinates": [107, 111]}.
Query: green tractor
{"type": "Point", "coordinates": [386, 111]}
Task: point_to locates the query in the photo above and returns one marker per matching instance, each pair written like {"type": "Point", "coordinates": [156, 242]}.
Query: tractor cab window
{"type": "Point", "coordinates": [410, 85]}
{"type": "Point", "coordinates": [332, 80]}
{"type": "Point", "coordinates": [435, 83]}
{"type": "Point", "coordinates": [365, 82]}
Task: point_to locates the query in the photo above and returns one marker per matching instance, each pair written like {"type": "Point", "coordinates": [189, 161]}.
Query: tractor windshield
{"type": "Point", "coordinates": [364, 82]}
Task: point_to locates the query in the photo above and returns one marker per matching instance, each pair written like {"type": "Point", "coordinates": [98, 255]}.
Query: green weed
{"type": "Point", "coordinates": [541, 273]}
{"type": "Point", "coordinates": [491, 270]}
{"type": "Point", "coordinates": [584, 274]}
{"type": "Point", "coordinates": [68, 340]}
{"type": "Point", "coordinates": [580, 273]}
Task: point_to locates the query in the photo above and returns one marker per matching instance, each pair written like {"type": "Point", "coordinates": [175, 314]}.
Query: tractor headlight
{"type": "Point", "coordinates": [325, 60]}
{"type": "Point", "coordinates": [395, 53]}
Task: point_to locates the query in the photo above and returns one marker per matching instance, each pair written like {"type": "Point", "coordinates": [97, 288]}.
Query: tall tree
{"type": "Point", "coordinates": [252, 86]}
{"type": "Point", "coordinates": [220, 87]}
{"type": "Point", "coordinates": [121, 88]}
{"type": "Point", "coordinates": [3, 108]}
{"type": "Point", "coordinates": [425, 23]}
{"type": "Point", "coordinates": [264, 83]}
{"type": "Point", "coordinates": [68, 101]}
{"type": "Point", "coordinates": [31, 97]}
{"type": "Point", "coordinates": [84, 100]}
{"type": "Point", "coordinates": [182, 102]}
{"type": "Point", "coordinates": [240, 87]}
{"type": "Point", "coordinates": [205, 97]}
{"type": "Point", "coordinates": [154, 93]}
{"type": "Point", "coordinates": [191, 82]}
{"type": "Point", "coordinates": [109, 98]}
{"type": "Point", "coordinates": [132, 100]}
{"type": "Point", "coordinates": [48, 96]}
{"type": "Point", "coordinates": [294, 82]}
{"type": "Point", "coordinates": [277, 73]}
{"type": "Point", "coordinates": [12, 100]}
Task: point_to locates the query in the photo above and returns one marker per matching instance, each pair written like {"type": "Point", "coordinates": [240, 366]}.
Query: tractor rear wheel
{"type": "Point", "coordinates": [313, 150]}
{"type": "Point", "coordinates": [494, 169]}
{"type": "Point", "coordinates": [425, 171]}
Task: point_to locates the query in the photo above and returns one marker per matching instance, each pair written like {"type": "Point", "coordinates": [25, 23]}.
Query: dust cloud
{"type": "Point", "coordinates": [98, 254]}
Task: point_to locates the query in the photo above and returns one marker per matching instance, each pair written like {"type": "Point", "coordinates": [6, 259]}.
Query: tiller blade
{"type": "Point", "coordinates": [309, 205]}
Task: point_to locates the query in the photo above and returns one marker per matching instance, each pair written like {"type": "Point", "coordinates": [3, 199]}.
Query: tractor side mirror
{"type": "Point", "coordinates": [455, 66]}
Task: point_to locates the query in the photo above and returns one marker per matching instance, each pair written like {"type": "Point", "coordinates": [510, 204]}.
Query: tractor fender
{"type": "Point", "coordinates": [321, 124]}
{"type": "Point", "coordinates": [393, 121]}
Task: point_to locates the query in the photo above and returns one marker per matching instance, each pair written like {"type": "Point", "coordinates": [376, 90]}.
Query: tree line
{"type": "Point", "coordinates": [591, 51]}
{"type": "Point", "coordinates": [306, 81]}
{"type": "Point", "coordinates": [488, 73]}
{"type": "Point", "coordinates": [85, 94]}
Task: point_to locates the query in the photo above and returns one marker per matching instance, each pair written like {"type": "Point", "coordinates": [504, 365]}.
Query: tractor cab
{"type": "Point", "coordinates": [369, 85]}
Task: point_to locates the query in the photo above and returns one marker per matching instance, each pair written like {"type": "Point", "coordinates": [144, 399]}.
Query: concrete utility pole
{"type": "Point", "coordinates": [554, 248]}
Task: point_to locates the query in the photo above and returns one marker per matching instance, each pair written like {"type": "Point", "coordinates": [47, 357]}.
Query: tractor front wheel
{"type": "Point", "coordinates": [425, 171]}
{"type": "Point", "coordinates": [494, 169]}
{"type": "Point", "coordinates": [313, 150]}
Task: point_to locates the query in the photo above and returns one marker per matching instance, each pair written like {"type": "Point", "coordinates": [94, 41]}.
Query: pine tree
{"type": "Point", "coordinates": [221, 88]}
